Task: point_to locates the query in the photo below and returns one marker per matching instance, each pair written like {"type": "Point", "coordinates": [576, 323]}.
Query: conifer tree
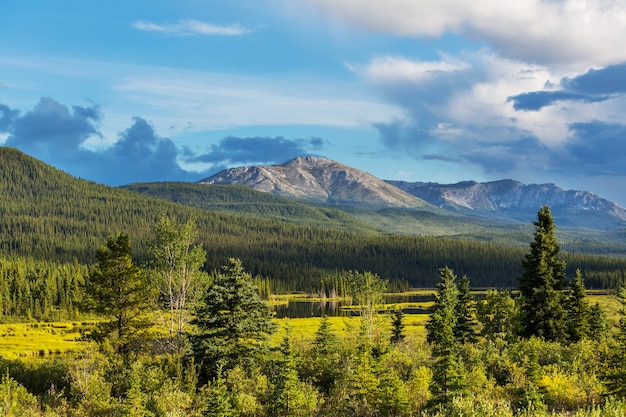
{"type": "Point", "coordinates": [448, 376]}
{"type": "Point", "coordinates": [397, 326]}
{"type": "Point", "coordinates": [118, 289]}
{"type": "Point", "coordinates": [541, 284]}
{"type": "Point", "coordinates": [326, 367]}
{"type": "Point", "coordinates": [290, 396]}
{"type": "Point", "coordinates": [578, 311]}
{"type": "Point", "coordinates": [233, 324]}
{"type": "Point", "coordinates": [466, 323]}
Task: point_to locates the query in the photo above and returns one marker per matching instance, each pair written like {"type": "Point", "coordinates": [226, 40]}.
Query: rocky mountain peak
{"type": "Point", "coordinates": [318, 179]}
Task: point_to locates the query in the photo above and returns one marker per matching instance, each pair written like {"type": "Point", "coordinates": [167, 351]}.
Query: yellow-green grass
{"type": "Point", "coordinates": [303, 329]}
{"type": "Point", "coordinates": [24, 340]}
{"type": "Point", "coordinates": [20, 340]}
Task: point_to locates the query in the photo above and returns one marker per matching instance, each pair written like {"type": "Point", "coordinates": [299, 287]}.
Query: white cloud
{"type": "Point", "coordinates": [192, 27]}
{"type": "Point", "coordinates": [564, 32]}
{"type": "Point", "coordinates": [399, 69]}
{"type": "Point", "coordinates": [470, 100]}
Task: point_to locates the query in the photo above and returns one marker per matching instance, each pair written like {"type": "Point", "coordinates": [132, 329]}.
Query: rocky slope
{"type": "Point", "coordinates": [319, 180]}
{"type": "Point", "coordinates": [508, 196]}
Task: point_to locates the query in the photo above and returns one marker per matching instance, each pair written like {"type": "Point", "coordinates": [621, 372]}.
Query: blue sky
{"type": "Point", "coordinates": [415, 90]}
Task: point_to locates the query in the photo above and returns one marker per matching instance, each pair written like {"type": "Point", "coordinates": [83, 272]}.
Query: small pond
{"type": "Point", "coordinates": [301, 308]}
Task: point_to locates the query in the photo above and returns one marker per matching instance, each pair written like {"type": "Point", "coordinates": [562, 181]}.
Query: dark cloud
{"type": "Point", "coordinates": [506, 156]}
{"type": "Point", "coordinates": [56, 134]}
{"type": "Point", "coordinates": [595, 148]}
{"type": "Point", "coordinates": [7, 117]}
{"type": "Point", "coordinates": [234, 150]}
{"type": "Point", "coordinates": [593, 86]}
{"type": "Point", "coordinates": [536, 100]}
{"type": "Point", "coordinates": [609, 80]}
{"type": "Point", "coordinates": [51, 128]}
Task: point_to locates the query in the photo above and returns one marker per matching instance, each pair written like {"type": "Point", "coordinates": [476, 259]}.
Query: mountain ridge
{"type": "Point", "coordinates": [326, 181]}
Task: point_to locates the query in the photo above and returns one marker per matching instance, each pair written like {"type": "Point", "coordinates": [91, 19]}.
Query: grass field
{"type": "Point", "coordinates": [31, 340]}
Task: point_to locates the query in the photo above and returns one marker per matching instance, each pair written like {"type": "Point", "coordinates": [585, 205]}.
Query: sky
{"type": "Point", "coordinates": [414, 90]}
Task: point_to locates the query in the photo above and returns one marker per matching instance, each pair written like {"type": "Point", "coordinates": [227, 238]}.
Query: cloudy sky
{"type": "Point", "coordinates": [416, 90]}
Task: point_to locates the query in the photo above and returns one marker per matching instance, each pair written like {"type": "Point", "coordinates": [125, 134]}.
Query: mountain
{"type": "Point", "coordinates": [322, 180]}
{"type": "Point", "coordinates": [517, 202]}
{"type": "Point", "coordinates": [319, 180]}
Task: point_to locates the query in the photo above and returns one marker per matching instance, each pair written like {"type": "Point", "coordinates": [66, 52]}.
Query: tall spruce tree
{"type": "Point", "coordinates": [448, 376]}
{"type": "Point", "coordinates": [542, 301]}
{"type": "Point", "coordinates": [578, 311]}
{"type": "Point", "coordinates": [466, 323]}
{"type": "Point", "coordinates": [233, 324]}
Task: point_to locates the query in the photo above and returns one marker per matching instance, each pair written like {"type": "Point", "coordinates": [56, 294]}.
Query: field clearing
{"type": "Point", "coordinates": [34, 340]}
{"type": "Point", "coordinates": [22, 340]}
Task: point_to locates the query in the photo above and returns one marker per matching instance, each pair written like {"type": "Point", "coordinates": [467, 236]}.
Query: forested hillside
{"type": "Point", "coordinates": [48, 215]}
{"type": "Point", "coordinates": [244, 200]}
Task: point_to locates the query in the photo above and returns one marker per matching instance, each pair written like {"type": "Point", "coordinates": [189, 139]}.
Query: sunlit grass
{"type": "Point", "coordinates": [23, 340]}
{"type": "Point", "coordinates": [19, 340]}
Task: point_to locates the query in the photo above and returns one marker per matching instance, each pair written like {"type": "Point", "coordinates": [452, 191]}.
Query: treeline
{"type": "Point", "coordinates": [40, 290]}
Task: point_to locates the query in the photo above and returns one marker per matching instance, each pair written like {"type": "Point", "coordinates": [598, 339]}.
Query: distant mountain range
{"type": "Point", "coordinates": [325, 181]}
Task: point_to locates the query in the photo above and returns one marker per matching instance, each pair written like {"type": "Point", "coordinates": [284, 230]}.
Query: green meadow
{"type": "Point", "coordinates": [46, 339]}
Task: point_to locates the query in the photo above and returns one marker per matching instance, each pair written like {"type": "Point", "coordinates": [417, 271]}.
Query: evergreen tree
{"type": "Point", "coordinates": [118, 289]}
{"type": "Point", "coordinates": [541, 284]}
{"type": "Point", "coordinates": [448, 376]}
{"type": "Point", "coordinates": [218, 398]}
{"type": "Point", "coordinates": [291, 397]}
{"type": "Point", "coordinates": [615, 375]}
{"type": "Point", "coordinates": [397, 326]}
{"type": "Point", "coordinates": [599, 325]}
{"type": "Point", "coordinates": [466, 323]}
{"type": "Point", "coordinates": [326, 366]}
{"type": "Point", "coordinates": [577, 310]}
{"type": "Point", "coordinates": [233, 324]}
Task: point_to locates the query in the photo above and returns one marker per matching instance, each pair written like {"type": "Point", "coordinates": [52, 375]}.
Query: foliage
{"type": "Point", "coordinates": [233, 323]}
{"type": "Point", "coordinates": [177, 263]}
{"type": "Point", "coordinates": [397, 327]}
{"type": "Point", "coordinates": [466, 323]}
{"type": "Point", "coordinates": [541, 284]}
{"type": "Point", "coordinates": [578, 311]}
{"type": "Point", "coordinates": [118, 290]}
{"type": "Point", "coordinates": [448, 376]}
{"type": "Point", "coordinates": [496, 313]}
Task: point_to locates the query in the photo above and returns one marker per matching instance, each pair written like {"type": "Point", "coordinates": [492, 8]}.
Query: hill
{"type": "Point", "coordinates": [243, 200]}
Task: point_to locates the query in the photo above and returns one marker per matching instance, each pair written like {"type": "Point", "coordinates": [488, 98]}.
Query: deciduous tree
{"type": "Point", "coordinates": [178, 263]}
